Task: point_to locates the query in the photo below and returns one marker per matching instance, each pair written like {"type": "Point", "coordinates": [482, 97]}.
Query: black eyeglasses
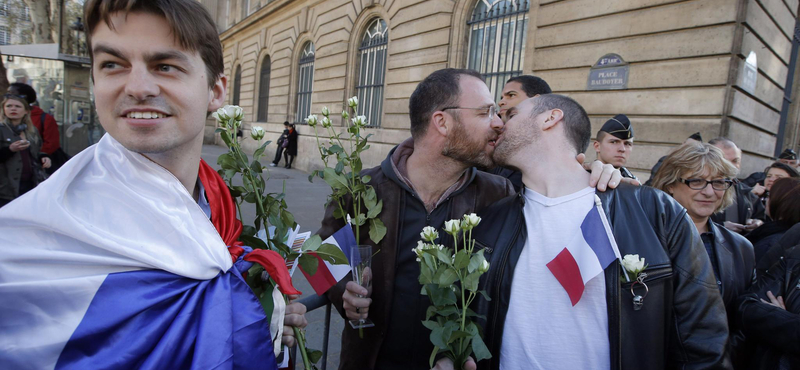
{"type": "Point", "coordinates": [700, 184]}
{"type": "Point", "coordinates": [491, 111]}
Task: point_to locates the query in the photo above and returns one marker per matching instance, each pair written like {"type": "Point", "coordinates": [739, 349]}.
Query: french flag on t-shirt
{"type": "Point", "coordinates": [587, 255]}
{"type": "Point", "coordinates": [328, 275]}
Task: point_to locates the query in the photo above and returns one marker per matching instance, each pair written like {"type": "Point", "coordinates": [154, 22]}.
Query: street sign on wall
{"type": "Point", "coordinates": [609, 73]}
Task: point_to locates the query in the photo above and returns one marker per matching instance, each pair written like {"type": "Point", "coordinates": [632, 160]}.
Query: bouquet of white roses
{"type": "Point", "coordinates": [450, 279]}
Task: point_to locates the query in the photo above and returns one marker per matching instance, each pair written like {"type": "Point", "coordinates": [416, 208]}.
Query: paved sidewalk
{"type": "Point", "coordinates": [306, 201]}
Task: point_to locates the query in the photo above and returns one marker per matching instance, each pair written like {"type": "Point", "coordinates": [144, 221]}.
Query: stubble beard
{"type": "Point", "coordinates": [461, 148]}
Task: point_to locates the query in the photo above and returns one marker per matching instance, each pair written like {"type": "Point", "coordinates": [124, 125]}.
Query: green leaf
{"type": "Point", "coordinates": [260, 150]}
{"type": "Point", "coordinates": [248, 230]}
{"type": "Point", "coordinates": [475, 262]}
{"type": "Point", "coordinates": [447, 278]}
{"type": "Point", "coordinates": [335, 149]}
{"type": "Point", "coordinates": [471, 281]}
{"type": "Point", "coordinates": [449, 310]}
{"type": "Point", "coordinates": [376, 210]}
{"type": "Point", "coordinates": [287, 218]}
{"type": "Point", "coordinates": [313, 355]}
{"type": "Point", "coordinates": [425, 276]}
{"type": "Point", "coordinates": [267, 304]}
{"type": "Point", "coordinates": [376, 230]}
{"type": "Point", "coordinates": [366, 178]}
{"type": "Point", "coordinates": [431, 324]}
{"type": "Point", "coordinates": [360, 219]}
{"type": "Point", "coordinates": [250, 198]}
{"type": "Point", "coordinates": [462, 259]}
{"type": "Point", "coordinates": [253, 242]}
{"type": "Point", "coordinates": [339, 167]}
{"type": "Point", "coordinates": [226, 138]}
{"type": "Point", "coordinates": [433, 356]}
{"type": "Point", "coordinates": [335, 180]}
{"type": "Point", "coordinates": [332, 254]}
{"type": "Point", "coordinates": [227, 162]}
{"type": "Point", "coordinates": [308, 263]}
{"type": "Point", "coordinates": [456, 335]}
{"type": "Point", "coordinates": [479, 348]}
{"type": "Point", "coordinates": [256, 167]}
{"type": "Point", "coordinates": [444, 256]}
{"type": "Point", "coordinates": [312, 243]}
{"type": "Point", "coordinates": [437, 336]}
{"type": "Point", "coordinates": [485, 296]}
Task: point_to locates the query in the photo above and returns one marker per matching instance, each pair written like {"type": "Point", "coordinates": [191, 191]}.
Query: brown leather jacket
{"type": "Point", "coordinates": [480, 190]}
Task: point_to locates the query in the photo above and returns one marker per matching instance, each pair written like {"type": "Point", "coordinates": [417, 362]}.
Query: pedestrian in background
{"type": "Point", "coordinates": [21, 158]}
{"type": "Point", "coordinates": [282, 143]}
{"type": "Point", "coordinates": [46, 124]}
{"type": "Point", "coordinates": [291, 146]}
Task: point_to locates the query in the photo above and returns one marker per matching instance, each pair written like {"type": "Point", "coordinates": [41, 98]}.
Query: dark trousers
{"type": "Point", "coordinates": [278, 155]}
{"type": "Point", "coordinates": [288, 159]}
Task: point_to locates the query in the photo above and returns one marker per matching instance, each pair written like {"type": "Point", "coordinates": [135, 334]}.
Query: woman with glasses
{"type": "Point", "coordinates": [21, 159]}
{"type": "Point", "coordinates": [699, 178]}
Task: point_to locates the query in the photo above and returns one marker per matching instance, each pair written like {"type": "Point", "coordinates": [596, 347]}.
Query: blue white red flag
{"type": "Point", "coordinates": [329, 274]}
{"type": "Point", "coordinates": [586, 255]}
{"type": "Point", "coordinates": [111, 263]}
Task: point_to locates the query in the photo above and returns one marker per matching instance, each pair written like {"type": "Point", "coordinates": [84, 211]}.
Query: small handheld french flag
{"type": "Point", "coordinates": [328, 275]}
{"type": "Point", "coordinates": [587, 255]}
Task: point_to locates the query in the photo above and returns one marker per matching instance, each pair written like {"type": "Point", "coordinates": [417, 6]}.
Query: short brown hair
{"type": "Point", "coordinates": [784, 200]}
{"type": "Point", "coordinates": [690, 160]}
{"type": "Point", "coordinates": [439, 90]}
{"type": "Point", "coordinates": [191, 25]}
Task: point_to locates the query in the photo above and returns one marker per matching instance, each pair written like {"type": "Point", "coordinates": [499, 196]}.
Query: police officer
{"type": "Point", "coordinates": [615, 142]}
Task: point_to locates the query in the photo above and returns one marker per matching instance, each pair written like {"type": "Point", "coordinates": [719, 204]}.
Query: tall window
{"type": "Point", "coordinates": [237, 85]}
{"type": "Point", "coordinates": [371, 67]}
{"type": "Point", "coordinates": [5, 36]}
{"type": "Point", "coordinates": [245, 9]}
{"type": "Point", "coordinates": [305, 82]}
{"type": "Point", "coordinates": [497, 33]}
{"type": "Point", "coordinates": [263, 90]}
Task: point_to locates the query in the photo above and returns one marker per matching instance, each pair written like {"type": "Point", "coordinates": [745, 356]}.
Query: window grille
{"type": "Point", "coordinates": [5, 36]}
{"type": "Point", "coordinates": [372, 71]}
{"type": "Point", "coordinates": [263, 90]}
{"type": "Point", "coordinates": [237, 85]}
{"type": "Point", "coordinates": [305, 82]}
{"type": "Point", "coordinates": [497, 33]}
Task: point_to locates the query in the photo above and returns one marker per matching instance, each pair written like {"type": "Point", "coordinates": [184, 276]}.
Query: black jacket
{"type": "Point", "coordinates": [747, 204]}
{"type": "Point", "coordinates": [765, 236]}
{"type": "Point", "coordinates": [291, 149]}
{"type": "Point", "coordinates": [774, 332]}
{"type": "Point", "coordinates": [735, 263]}
{"type": "Point", "coordinates": [682, 324]}
{"type": "Point", "coordinates": [481, 190]}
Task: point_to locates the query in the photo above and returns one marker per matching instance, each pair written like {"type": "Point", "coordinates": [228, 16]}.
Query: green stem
{"type": "Point", "coordinates": [301, 343]}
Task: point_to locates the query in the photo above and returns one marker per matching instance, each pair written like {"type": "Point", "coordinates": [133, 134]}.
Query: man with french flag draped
{"type": "Point", "coordinates": [560, 296]}
{"type": "Point", "coordinates": [127, 257]}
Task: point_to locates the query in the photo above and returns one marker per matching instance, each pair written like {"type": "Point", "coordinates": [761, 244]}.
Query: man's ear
{"type": "Point", "coordinates": [553, 117]}
{"type": "Point", "coordinates": [596, 145]}
{"type": "Point", "coordinates": [439, 122]}
{"type": "Point", "coordinates": [218, 93]}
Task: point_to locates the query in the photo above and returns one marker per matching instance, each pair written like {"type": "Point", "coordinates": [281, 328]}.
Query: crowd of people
{"type": "Point", "coordinates": [133, 265]}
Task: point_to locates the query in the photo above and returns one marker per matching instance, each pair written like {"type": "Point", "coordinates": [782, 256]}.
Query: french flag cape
{"type": "Point", "coordinates": [111, 264]}
{"type": "Point", "coordinates": [588, 253]}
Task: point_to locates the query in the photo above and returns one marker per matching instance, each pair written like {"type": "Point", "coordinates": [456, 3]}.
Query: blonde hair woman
{"type": "Point", "coordinates": [699, 177]}
{"type": "Point", "coordinates": [21, 160]}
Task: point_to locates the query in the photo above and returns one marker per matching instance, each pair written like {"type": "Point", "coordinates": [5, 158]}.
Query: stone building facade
{"type": "Point", "coordinates": [679, 66]}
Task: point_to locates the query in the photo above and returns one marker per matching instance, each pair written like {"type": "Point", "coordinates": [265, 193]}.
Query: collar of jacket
{"type": "Point", "coordinates": [388, 171]}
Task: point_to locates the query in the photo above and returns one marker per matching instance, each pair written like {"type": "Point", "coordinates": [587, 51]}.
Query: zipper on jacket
{"type": "Point", "coordinates": [503, 260]}
{"type": "Point", "coordinates": [657, 273]}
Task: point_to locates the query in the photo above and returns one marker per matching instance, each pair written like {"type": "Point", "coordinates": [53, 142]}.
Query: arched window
{"type": "Point", "coordinates": [372, 70]}
{"type": "Point", "coordinates": [263, 90]}
{"type": "Point", "coordinates": [305, 82]}
{"type": "Point", "coordinates": [497, 33]}
{"type": "Point", "coordinates": [237, 85]}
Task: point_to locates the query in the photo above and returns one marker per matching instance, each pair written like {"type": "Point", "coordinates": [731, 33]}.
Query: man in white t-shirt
{"type": "Point", "coordinates": [534, 321]}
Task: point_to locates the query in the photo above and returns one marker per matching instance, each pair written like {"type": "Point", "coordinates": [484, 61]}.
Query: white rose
{"type": "Point", "coordinates": [257, 133]}
{"type": "Point", "coordinates": [345, 116]}
{"type": "Point", "coordinates": [471, 220]}
{"type": "Point", "coordinates": [221, 115]}
{"type": "Point", "coordinates": [452, 227]}
{"type": "Point", "coordinates": [429, 234]}
{"type": "Point", "coordinates": [325, 111]}
{"type": "Point", "coordinates": [325, 121]}
{"type": "Point", "coordinates": [483, 267]}
{"type": "Point", "coordinates": [232, 111]}
{"type": "Point", "coordinates": [238, 112]}
{"type": "Point", "coordinates": [632, 263]}
{"type": "Point", "coordinates": [360, 121]}
{"type": "Point", "coordinates": [352, 102]}
{"type": "Point", "coordinates": [312, 120]}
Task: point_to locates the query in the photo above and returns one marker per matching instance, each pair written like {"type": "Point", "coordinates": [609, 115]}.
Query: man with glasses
{"type": "Point", "coordinates": [426, 180]}
{"type": "Point", "coordinates": [558, 296]}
